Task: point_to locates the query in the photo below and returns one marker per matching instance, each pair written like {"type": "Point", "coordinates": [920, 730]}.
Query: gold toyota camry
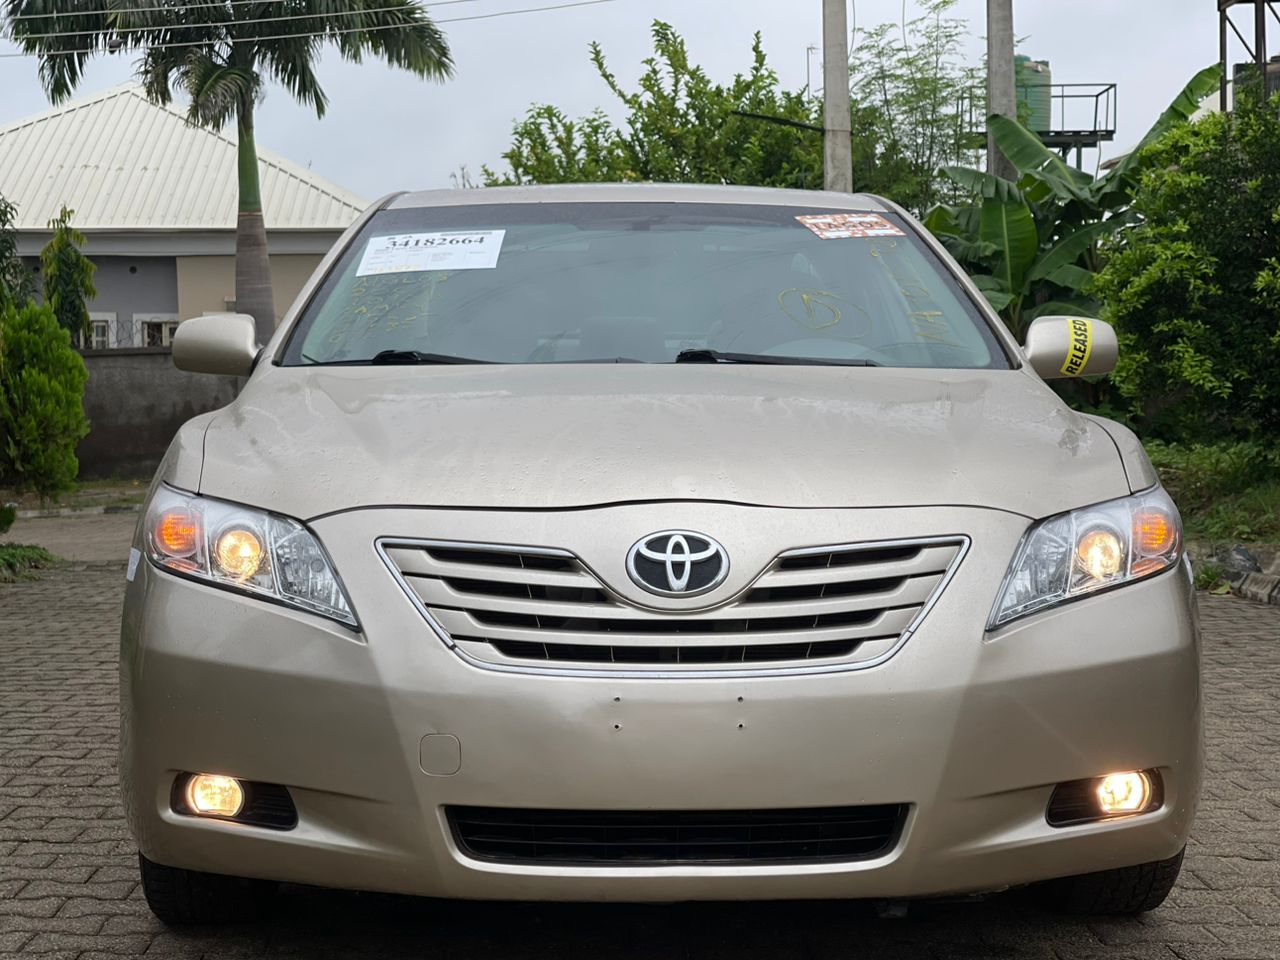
{"type": "Point", "coordinates": [654, 543]}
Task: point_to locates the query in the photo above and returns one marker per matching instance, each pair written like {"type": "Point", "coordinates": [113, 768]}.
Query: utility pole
{"type": "Point", "coordinates": [1001, 92]}
{"type": "Point", "coordinates": [837, 145]}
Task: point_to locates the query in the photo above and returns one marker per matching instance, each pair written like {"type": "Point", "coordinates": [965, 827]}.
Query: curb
{"type": "Point", "coordinates": [75, 512]}
{"type": "Point", "coordinates": [1259, 587]}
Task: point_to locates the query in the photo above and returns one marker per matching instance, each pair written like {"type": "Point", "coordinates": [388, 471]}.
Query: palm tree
{"type": "Point", "coordinates": [222, 54]}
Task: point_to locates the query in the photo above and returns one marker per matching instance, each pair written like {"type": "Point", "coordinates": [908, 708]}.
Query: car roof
{"type": "Point", "coordinates": [639, 193]}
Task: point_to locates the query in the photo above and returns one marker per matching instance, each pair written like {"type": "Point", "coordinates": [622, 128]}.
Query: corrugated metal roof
{"type": "Point", "coordinates": [124, 163]}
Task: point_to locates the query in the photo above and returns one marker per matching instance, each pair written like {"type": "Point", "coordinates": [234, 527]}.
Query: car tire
{"type": "Point", "coordinates": [180, 897]}
{"type": "Point", "coordinates": [1124, 891]}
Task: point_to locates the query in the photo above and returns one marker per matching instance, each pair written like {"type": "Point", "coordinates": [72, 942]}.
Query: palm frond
{"type": "Point", "coordinates": [221, 54]}
{"type": "Point", "coordinates": [218, 91]}
{"type": "Point", "coordinates": [291, 62]}
{"type": "Point", "coordinates": [397, 31]}
{"type": "Point", "coordinates": [62, 58]}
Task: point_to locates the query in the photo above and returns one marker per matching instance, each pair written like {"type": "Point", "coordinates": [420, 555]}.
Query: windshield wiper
{"type": "Point", "coordinates": [417, 356]}
{"type": "Point", "coordinates": [703, 355]}
{"type": "Point", "coordinates": [392, 357]}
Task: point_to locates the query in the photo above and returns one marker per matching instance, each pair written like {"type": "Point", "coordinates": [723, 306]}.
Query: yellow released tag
{"type": "Point", "coordinates": [1079, 348]}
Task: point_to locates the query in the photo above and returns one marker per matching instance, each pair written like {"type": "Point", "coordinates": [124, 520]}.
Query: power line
{"type": "Point", "coordinates": [327, 33]}
{"type": "Point", "coordinates": [508, 13]}
{"type": "Point", "coordinates": [227, 23]}
{"type": "Point", "coordinates": [154, 7]}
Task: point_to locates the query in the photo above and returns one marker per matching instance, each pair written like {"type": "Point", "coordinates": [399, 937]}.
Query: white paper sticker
{"type": "Point", "coordinates": [845, 226]}
{"type": "Point", "coordinates": [448, 250]}
{"type": "Point", "coordinates": [134, 557]}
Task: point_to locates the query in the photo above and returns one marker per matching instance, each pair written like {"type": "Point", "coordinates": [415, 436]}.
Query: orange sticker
{"type": "Point", "coordinates": [843, 226]}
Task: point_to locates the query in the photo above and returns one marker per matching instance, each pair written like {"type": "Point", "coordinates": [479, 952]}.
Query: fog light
{"type": "Point", "coordinates": [214, 796]}
{"type": "Point", "coordinates": [1123, 793]}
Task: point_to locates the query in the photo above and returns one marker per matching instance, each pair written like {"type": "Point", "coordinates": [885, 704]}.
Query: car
{"type": "Point", "coordinates": [654, 543]}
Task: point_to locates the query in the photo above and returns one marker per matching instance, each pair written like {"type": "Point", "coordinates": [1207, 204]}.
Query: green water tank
{"type": "Point", "coordinates": [1035, 100]}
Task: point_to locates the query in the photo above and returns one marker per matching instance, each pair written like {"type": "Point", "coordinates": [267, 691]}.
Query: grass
{"type": "Point", "coordinates": [1211, 576]}
{"type": "Point", "coordinates": [1226, 491]}
{"type": "Point", "coordinates": [1250, 515]}
{"type": "Point", "coordinates": [18, 561]}
{"type": "Point", "coordinates": [114, 492]}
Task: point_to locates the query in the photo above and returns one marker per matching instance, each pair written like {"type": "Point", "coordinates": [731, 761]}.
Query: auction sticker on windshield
{"type": "Point", "coordinates": [416, 252]}
{"type": "Point", "coordinates": [841, 226]}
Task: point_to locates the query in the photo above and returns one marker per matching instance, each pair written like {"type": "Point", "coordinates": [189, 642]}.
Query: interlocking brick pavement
{"type": "Point", "coordinates": [68, 877]}
{"type": "Point", "coordinates": [102, 538]}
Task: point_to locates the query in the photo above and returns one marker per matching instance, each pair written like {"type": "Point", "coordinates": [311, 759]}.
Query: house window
{"type": "Point", "coordinates": [101, 334]}
{"type": "Point", "coordinates": [157, 328]}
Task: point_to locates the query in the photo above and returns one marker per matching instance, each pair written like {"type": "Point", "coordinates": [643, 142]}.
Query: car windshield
{"type": "Point", "coordinates": [641, 282]}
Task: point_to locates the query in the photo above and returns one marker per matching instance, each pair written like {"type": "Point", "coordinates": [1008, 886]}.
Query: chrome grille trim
{"type": "Point", "coordinates": [776, 574]}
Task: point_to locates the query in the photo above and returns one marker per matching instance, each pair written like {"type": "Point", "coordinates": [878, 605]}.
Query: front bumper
{"type": "Point", "coordinates": [972, 730]}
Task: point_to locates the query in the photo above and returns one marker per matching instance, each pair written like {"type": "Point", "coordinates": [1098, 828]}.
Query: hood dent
{"type": "Point", "coordinates": [309, 441]}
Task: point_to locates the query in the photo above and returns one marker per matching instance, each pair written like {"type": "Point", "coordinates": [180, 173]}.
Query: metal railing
{"type": "Point", "coordinates": [124, 333]}
{"type": "Point", "coordinates": [1080, 114]}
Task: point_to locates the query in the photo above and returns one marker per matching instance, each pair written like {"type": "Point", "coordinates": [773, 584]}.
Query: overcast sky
{"type": "Point", "coordinates": [387, 131]}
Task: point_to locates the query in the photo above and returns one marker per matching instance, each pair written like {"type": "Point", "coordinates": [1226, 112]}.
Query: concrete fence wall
{"type": "Point", "coordinates": [135, 401]}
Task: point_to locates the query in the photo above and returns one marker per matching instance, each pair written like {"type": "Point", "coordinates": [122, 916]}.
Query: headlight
{"type": "Point", "coordinates": [259, 553]}
{"type": "Point", "coordinates": [1089, 549]}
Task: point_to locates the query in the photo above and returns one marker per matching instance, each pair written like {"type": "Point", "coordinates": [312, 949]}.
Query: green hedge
{"type": "Point", "coordinates": [41, 402]}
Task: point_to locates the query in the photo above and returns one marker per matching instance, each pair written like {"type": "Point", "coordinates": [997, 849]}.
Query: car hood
{"type": "Point", "coordinates": [306, 441]}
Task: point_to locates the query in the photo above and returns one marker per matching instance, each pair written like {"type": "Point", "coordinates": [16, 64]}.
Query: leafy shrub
{"type": "Point", "coordinates": [8, 514]}
{"type": "Point", "coordinates": [1194, 288]}
{"type": "Point", "coordinates": [41, 401]}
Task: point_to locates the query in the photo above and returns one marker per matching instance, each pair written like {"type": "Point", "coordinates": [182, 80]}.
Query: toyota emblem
{"type": "Point", "coordinates": [677, 563]}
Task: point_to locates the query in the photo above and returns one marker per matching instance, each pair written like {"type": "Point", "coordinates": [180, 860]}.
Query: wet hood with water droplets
{"type": "Point", "coordinates": [306, 441]}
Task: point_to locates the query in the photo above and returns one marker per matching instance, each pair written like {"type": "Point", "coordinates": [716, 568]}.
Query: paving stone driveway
{"type": "Point", "coordinates": [68, 877]}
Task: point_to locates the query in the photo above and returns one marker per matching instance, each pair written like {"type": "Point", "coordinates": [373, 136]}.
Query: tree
{"type": "Point", "coordinates": [1032, 246]}
{"type": "Point", "coordinates": [911, 83]}
{"type": "Point", "coordinates": [15, 278]}
{"type": "Point", "coordinates": [680, 127]}
{"type": "Point", "coordinates": [548, 147]}
{"type": "Point", "coordinates": [41, 401]}
{"type": "Point", "coordinates": [222, 55]}
{"type": "Point", "coordinates": [1194, 287]}
{"type": "Point", "coordinates": [68, 275]}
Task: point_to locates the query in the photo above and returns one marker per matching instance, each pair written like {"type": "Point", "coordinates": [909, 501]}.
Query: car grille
{"type": "Point", "coordinates": [816, 608]}
{"type": "Point", "coordinates": [657, 837]}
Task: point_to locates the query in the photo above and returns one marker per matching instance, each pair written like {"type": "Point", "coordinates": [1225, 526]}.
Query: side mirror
{"type": "Point", "coordinates": [1070, 347]}
{"type": "Point", "coordinates": [224, 343]}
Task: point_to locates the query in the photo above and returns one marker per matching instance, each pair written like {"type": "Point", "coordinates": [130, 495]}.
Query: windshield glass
{"type": "Point", "coordinates": [616, 282]}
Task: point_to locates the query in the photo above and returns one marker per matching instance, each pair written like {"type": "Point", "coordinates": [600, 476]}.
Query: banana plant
{"type": "Point", "coordinates": [1031, 246]}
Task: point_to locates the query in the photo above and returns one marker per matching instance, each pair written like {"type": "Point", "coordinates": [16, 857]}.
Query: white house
{"type": "Point", "coordinates": [156, 199]}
